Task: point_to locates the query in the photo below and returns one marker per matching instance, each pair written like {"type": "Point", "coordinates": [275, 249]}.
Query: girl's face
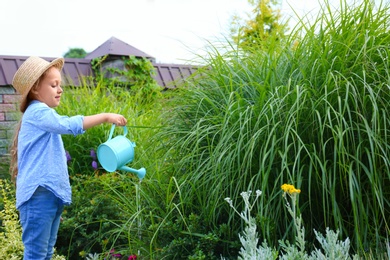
{"type": "Point", "coordinates": [49, 88]}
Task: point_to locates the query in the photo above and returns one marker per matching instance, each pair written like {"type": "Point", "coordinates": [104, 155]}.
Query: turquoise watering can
{"type": "Point", "coordinates": [116, 152]}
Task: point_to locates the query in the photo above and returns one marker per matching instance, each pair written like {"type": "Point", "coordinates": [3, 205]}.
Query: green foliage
{"type": "Point", "coordinates": [4, 167]}
{"type": "Point", "coordinates": [132, 73]}
{"type": "Point", "coordinates": [88, 221]}
{"type": "Point", "coordinates": [75, 53]}
{"type": "Point", "coordinates": [315, 113]}
{"type": "Point", "coordinates": [187, 238]}
{"type": "Point", "coordinates": [95, 218]}
{"type": "Point", "coordinates": [89, 100]}
{"type": "Point", "coordinates": [10, 229]}
{"type": "Point", "coordinates": [153, 223]}
{"type": "Point", "coordinates": [263, 28]}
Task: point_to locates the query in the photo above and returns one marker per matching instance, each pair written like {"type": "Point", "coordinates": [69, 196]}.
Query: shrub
{"type": "Point", "coordinates": [314, 113]}
{"type": "Point", "coordinates": [98, 95]}
{"type": "Point", "coordinates": [89, 220]}
{"type": "Point", "coordinates": [10, 229]}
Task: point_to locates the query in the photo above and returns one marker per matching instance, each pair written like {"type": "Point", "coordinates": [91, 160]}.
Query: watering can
{"type": "Point", "coordinates": [116, 152]}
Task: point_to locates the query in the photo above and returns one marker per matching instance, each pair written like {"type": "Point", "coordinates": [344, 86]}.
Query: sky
{"type": "Point", "coordinates": [172, 31]}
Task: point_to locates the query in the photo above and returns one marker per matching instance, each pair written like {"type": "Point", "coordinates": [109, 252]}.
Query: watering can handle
{"type": "Point", "coordinates": [112, 131]}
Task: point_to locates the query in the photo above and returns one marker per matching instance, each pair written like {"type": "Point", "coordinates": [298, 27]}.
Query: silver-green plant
{"type": "Point", "coordinates": [93, 256]}
{"type": "Point", "coordinates": [249, 238]}
{"type": "Point", "coordinates": [332, 247]}
{"type": "Point", "coordinates": [297, 250]}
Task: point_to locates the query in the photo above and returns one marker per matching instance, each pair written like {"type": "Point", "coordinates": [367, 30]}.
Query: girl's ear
{"type": "Point", "coordinates": [33, 94]}
{"type": "Point", "coordinates": [34, 90]}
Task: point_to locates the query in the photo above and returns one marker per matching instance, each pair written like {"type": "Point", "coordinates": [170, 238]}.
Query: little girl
{"type": "Point", "coordinates": [38, 163]}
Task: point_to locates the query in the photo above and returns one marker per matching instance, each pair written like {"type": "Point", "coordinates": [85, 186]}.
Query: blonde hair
{"type": "Point", "coordinates": [13, 169]}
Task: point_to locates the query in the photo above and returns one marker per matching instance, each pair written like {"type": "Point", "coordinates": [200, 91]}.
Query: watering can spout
{"type": "Point", "coordinates": [140, 173]}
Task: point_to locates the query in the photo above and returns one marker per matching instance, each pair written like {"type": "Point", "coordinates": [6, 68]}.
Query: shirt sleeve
{"type": "Point", "coordinates": [47, 119]}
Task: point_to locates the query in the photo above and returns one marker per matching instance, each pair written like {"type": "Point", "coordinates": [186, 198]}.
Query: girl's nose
{"type": "Point", "coordinates": [60, 89]}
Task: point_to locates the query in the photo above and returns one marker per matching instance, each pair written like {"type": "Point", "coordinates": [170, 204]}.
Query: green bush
{"type": "Point", "coordinates": [85, 100]}
{"type": "Point", "coordinates": [10, 229]}
{"type": "Point", "coordinates": [313, 112]}
{"type": "Point", "coordinates": [4, 167]}
{"type": "Point", "coordinates": [99, 95]}
{"type": "Point", "coordinates": [91, 220]}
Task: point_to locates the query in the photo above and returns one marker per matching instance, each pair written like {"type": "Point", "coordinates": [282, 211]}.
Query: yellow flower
{"type": "Point", "coordinates": [290, 189]}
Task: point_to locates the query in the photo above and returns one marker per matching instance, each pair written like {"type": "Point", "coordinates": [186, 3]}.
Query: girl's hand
{"type": "Point", "coordinates": [117, 119]}
{"type": "Point", "coordinates": [94, 120]}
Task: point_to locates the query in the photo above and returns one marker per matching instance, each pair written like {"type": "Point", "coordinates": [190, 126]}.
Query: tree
{"type": "Point", "coordinates": [265, 25]}
{"type": "Point", "coordinates": [75, 53]}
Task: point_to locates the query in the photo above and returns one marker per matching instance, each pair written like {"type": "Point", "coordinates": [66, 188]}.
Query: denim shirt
{"type": "Point", "coordinates": [41, 154]}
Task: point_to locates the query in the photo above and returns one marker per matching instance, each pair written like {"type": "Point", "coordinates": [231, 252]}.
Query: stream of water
{"type": "Point", "coordinates": [138, 203]}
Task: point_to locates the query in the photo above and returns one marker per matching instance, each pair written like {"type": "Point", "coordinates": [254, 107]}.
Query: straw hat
{"type": "Point", "coordinates": [29, 72]}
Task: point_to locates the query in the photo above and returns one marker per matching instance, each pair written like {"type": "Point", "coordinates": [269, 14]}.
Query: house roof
{"type": "Point", "coordinates": [167, 75]}
{"type": "Point", "coordinates": [116, 47]}
{"type": "Point", "coordinates": [72, 71]}
{"type": "Point", "coordinates": [170, 75]}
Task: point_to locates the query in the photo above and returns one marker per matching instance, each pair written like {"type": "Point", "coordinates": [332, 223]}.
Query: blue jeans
{"type": "Point", "coordinates": [40, 220]}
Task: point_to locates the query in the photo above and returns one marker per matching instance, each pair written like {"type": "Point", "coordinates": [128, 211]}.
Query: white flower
{"type": "Point", "coordinates": [229, 200]}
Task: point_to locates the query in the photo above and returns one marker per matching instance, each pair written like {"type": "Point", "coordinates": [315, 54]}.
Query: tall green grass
{"type": "Point", "coordinates": [313, 112]}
